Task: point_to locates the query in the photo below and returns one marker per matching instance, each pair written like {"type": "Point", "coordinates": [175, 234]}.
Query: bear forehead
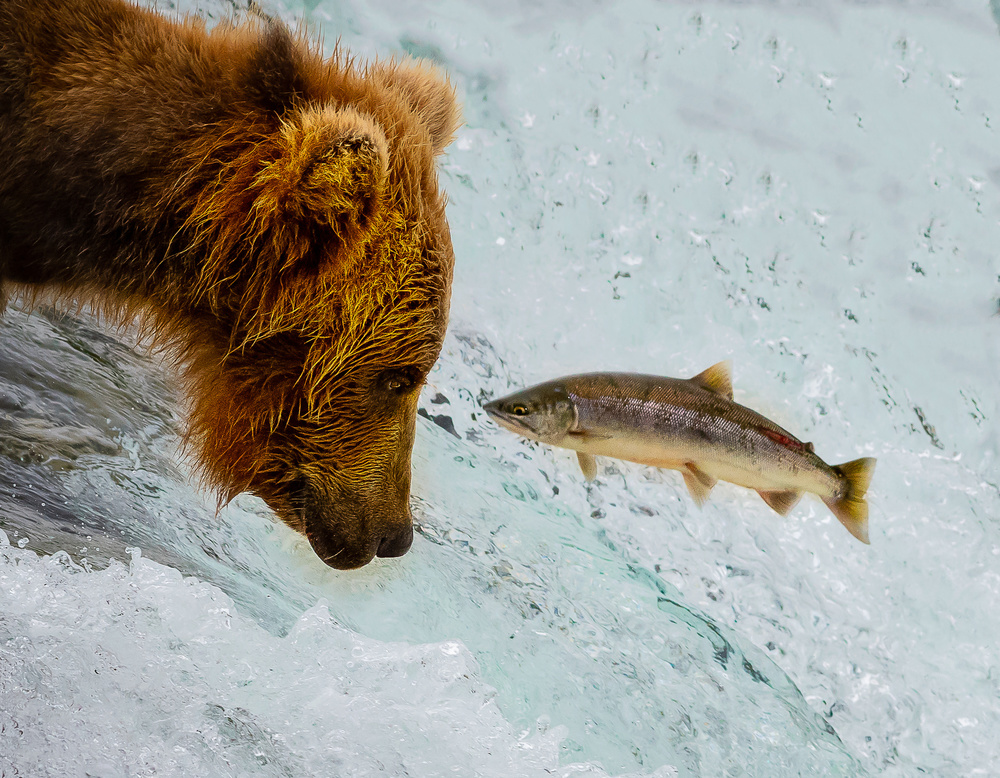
{"type": "Point", "coordinates": [323, 213]}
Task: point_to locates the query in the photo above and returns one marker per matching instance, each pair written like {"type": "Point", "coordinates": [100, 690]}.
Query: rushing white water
{"type": "Point", "coordinates": [810, 192]}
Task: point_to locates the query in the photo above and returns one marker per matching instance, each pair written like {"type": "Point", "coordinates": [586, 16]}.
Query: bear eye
{"type": "Point", "coordinates": [519, 410]}
{"type": "Point", "coordinates": [400, 381]}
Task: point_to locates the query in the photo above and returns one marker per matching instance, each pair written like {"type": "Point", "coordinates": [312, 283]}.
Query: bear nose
{"type": "Point", "coordinates": [396, 543]}
{"type": "Point", "coordinates": [339, 552]}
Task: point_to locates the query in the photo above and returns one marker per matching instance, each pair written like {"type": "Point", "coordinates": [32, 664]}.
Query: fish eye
{"type": "Point", "coordinates": [519, 410]}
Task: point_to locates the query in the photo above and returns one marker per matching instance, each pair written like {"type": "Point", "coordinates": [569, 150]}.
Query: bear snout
{"type": "Point", "coordinates": [338, 551]}
{"type": "Point", "coordinates": [345, 551]}
{"type": "Point", "coordinates": [346, 533]}
{"type": "Point", "coordinates": [397, 542]}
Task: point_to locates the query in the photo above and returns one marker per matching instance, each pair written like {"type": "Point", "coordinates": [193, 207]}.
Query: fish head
{"type": "Point", "coordinates": [545, 412]}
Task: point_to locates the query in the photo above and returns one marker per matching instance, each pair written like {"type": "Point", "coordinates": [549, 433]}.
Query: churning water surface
{"type": "Point", "coordinates": [808, 191]}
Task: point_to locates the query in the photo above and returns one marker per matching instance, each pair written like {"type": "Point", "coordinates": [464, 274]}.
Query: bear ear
{"type": "Point", "coordinates": [321, 187]}
{"type": "Point", "coordinates": [272, 77]}
{"type": "Point", "coordinates": [431, 97]}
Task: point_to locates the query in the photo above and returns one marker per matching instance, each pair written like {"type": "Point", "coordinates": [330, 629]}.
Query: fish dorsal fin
{"type": "Point", "coordinates": [810, 448]}
{"type": "Point", "coordinates": [718, 379]}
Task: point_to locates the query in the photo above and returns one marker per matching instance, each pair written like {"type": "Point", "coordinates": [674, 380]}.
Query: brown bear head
{"type": "Point", "coordinates": [272, 213]}
{"type": "Point", "coordinates": [327, 244]}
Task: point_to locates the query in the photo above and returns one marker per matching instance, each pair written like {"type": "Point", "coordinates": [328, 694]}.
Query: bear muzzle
{"type": "Point", "coordinates": [347, 534]}
{"type": "Point", "coordinates": [346, 553]}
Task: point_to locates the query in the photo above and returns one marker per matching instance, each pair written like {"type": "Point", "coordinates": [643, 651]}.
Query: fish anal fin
{"type": "Point", "coordinates": [781, 502]}
{"type": "Point", "coordinates": [718, 379]}
{"type": "Point", "coordinates": [698, 482]}
{"type": "Point", "coordinates": [588, 464]}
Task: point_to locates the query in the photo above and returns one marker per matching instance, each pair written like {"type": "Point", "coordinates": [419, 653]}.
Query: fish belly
{"type": "Point", "coordinates": [640, 451]}
{"type": "Point", "coordinates": [764, 474]}
{"type": "Point", "coordinates": [761, 478]}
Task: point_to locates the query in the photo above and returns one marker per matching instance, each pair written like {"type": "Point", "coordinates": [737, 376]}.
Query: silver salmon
{"type": "Point", "coordinates": [691, 425]}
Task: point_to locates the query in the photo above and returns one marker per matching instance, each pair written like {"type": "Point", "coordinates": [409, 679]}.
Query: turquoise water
{"type": "Point", "coordinates": [652, 187]}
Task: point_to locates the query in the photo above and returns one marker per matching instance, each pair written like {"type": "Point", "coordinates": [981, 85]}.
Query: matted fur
{"type": "Point", "coordinates": [271, 215]}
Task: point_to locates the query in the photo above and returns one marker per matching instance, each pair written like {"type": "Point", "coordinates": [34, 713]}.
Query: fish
{"type": "Point", "coordinates": [692, 425]}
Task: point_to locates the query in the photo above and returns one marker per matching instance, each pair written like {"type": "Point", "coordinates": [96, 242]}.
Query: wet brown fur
{"type": "Point", "coordinates": [271, 215]}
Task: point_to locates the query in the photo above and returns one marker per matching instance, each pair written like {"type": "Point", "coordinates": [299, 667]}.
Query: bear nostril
{"type": "Point", "coordinates": [396, 544]}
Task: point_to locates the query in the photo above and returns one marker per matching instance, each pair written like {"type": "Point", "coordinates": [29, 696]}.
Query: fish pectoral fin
{"type": "Point", "coordinates": [698, 482]}
{"type": "Point", "coordinates": [588, 464]}
{"type": "Point", "coordinates": [718, 379]}
{"type": "Point", "coordinates": [583, 434]}
{"type": "Point", "coordinates": [781, 502]}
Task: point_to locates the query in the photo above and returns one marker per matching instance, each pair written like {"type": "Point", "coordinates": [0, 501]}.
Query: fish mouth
{"type": "Point", "coordinates": [513, 423]}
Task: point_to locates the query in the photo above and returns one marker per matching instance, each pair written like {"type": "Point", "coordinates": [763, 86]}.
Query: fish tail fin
{"type": "Point", "coordinates": [851, 507]}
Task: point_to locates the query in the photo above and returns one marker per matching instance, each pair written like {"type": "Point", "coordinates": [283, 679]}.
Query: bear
{"type": "Point", "coordinates": [271, 217]}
